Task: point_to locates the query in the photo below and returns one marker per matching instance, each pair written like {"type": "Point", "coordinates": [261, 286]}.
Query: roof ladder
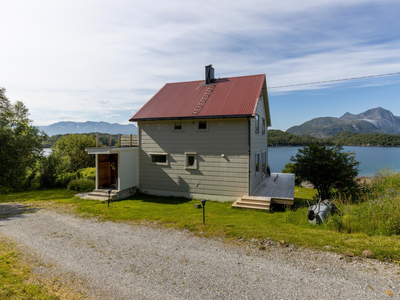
{"type": "Point", "coordinates": [204, 99]}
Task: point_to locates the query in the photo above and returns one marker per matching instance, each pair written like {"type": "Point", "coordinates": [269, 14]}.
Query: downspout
{"type": "Point", "coordinates": [249, 148]}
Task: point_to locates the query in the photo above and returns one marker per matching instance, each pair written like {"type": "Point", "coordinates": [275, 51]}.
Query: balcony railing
{"type": "Point", "coordinates": [124, 140]}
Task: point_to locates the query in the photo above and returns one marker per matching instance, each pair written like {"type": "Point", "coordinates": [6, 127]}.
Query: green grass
{"type": "Point", "coordinates": [14, 274]}
{"type": "Point", "coordinates": [221, 220]}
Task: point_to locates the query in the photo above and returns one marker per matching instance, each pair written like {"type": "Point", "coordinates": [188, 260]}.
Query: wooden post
{"type": "Point", "coordinates": [97, 140]}
{"type": "Point", "coordinates": [109, 140]}
{"type": "Point", "coordinates": [119, 140]}
{"type": "Point", "coordinates": [130, 140]}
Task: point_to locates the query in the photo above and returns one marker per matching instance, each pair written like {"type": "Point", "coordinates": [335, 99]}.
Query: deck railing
{"type": "Point", "coordinates": [124, 140]}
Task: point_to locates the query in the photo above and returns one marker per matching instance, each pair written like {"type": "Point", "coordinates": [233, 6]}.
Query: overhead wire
{"type": "Point", "coordinates": [334, 80]}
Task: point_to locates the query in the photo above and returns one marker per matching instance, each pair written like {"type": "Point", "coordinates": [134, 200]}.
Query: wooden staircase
{"type": "Point", "coordinates": [101, 195]}
{"type": "Point", "coordinates": [253, 202]}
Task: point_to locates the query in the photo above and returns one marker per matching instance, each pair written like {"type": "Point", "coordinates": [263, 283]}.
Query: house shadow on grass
{"type": "Point", "coordinates": [159, 199]}
{"type": "Point", "coordinates": [14, 210]}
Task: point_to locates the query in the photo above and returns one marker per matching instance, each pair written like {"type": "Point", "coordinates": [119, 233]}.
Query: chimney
{"type": "Point", "coordinates": [209, 74]}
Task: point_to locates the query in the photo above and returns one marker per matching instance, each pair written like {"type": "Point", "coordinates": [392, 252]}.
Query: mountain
{"type": "Point", "coordinates": [376, 120]}
{"type": "Point", "coordinates": [88, 127]}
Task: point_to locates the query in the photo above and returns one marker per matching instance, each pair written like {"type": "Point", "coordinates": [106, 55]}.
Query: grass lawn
{"type": "Point", "coordinates": [14, 275]}
{"type": "Point", "coordinates": [221, 220]}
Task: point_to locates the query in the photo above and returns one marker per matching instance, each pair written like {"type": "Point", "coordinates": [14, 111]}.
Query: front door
{"type": "Point", "coordinates": [107, 171]}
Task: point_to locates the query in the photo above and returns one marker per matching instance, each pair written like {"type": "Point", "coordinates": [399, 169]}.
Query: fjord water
{"type": "Point", "coordinates": [371, 158]}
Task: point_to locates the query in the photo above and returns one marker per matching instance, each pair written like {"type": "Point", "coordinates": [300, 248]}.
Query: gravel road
{"type": "Point", "coordinates": [120, 261]}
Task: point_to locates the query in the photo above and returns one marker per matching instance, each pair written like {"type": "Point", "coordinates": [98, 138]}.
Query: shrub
{"type": "Point", "coordinates": [81, 185]}
{"type": "Point", "coordinates": [88, 173]}
{"type": "Point", "coordinates": [64, 179]}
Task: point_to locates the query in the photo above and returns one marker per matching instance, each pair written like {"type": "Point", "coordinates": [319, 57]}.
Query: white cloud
{"type": "Point", "coordinates": [94, 59]}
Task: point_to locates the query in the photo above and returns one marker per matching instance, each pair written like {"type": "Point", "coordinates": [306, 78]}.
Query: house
{"type": "Point", "coordinates": [203, 139]}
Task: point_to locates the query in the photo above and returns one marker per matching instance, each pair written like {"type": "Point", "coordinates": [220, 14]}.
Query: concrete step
{"type": "Point", "coordinates": [89, 197]}
{"type": "Point", "coordinates": [101, 194]}
{"type": "Point", "coordinates": [104, 191]}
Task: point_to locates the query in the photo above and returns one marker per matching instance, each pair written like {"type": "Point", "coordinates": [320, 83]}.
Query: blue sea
{"type": "Point", "coordinates": [371, 158]}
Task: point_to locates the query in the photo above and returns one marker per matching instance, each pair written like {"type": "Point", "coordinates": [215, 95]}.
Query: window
{"type": "Point", "coordinates": [257, 163]}
{"type": "Point", "coordinates": [191, 161]}
{"type": "Point", "coordinates": [257, 124]}
{"type": "Point", "coordinates": [264, 162]}
{"type": "Point", "coordinates": [178, 126]}
{"type": "Point", "coordinates": [202, 125]}
{"type": "Point", "coordinates": [263, 126]}
{"type": "Point", "coordinates": [158, 158]}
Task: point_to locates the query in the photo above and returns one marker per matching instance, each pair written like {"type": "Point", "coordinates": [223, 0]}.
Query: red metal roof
{"type": "Point", "coordinates": [231, 97]}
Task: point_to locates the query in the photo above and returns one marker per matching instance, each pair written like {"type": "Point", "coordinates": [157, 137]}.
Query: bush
{"type": "Point", "coordinates": [64, 179]}
{"type": "Point", "coordinates": [81, 185]}
{"type": "Point", "coordinates": [87, 173]}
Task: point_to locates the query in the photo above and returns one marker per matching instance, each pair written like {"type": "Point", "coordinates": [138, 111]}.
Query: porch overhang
{"type": "Point", "coordinates": [108, 150]}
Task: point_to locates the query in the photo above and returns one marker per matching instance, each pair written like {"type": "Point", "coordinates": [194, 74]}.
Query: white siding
{"type": "Point", "coordinates": [222, 159]}
{"type": "Point", "coordinates": [258, 145]}
{"type": "Point", "coordinates": [128, 168]}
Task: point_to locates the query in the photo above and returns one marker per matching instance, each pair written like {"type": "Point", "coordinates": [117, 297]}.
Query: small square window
{"type": "Point", "coordinates": [202, 125]}
{"type": "Point", "coordinates": [257, 120]}
{"type": "Point", "coordinates": [159, 159]}
{"type": "Point", "coordinates": [191, 161]}
{"type": "Point", "coordinates": [178, 126]}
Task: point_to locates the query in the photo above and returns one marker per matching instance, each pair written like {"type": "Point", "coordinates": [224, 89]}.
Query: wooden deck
{"type": "Point", "coordinates": [278, 188]}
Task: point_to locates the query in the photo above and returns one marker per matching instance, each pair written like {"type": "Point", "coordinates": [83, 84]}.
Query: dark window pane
{"type": "Point", "coordinates": [202, 124]}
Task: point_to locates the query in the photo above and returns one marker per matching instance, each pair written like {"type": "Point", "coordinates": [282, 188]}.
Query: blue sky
{"type": "Point", "coordinates": [102, 60]}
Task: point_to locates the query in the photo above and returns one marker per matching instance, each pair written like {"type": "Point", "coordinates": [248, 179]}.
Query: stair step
{"type": "Point", "coordinates": [253, 202]}
{"type": "Point", "coordinates": [113, 192]}
{"type": "Point", "coordinates": [256, 198]}
{"type": "Point", "coordinates": [95, 198]}
{"type": "Point", "coordinates": [100, 195]}
{"type": "Point", "coordinates": [250, 205]}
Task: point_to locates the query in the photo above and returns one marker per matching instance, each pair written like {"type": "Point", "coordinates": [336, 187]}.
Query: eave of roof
{"type": "Point", "coordinates": [231, 98]}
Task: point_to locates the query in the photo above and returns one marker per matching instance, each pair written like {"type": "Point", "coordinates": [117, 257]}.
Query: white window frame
{"type": "Point", "coordinates": [202, 129]}
{"type": "Point", "coordinates": [174, 126]}
{"type": "Point", "coordinates": [166, 163]}
{"type": "Point", "coordinates": [195, 163]}
{"type": "Point", "coordinates": [257, 123]}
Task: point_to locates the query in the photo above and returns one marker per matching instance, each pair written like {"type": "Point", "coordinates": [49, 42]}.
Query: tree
{"type": "Point", "coordinates": [20, 143]}
{"type": "Point", "coordinates": [324, 165]}
{"type": "Point", "coordinates": [72, 147]}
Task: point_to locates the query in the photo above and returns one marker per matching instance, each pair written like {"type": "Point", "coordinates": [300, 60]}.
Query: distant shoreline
{"type": "Point", "coordinates": [370, 146]}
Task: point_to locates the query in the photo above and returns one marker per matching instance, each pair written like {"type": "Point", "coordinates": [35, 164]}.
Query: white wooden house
{"type": "Point", "coordinates": [206, 139]}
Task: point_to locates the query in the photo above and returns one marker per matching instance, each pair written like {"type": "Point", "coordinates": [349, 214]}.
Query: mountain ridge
{"type": "Point", "coordinates": [70, 127]}
{"type": "Point", "coordinates": [375, 120]}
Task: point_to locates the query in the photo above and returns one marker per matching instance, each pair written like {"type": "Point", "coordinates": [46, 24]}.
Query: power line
{"type": "Point", "coordinates": [334, 80]}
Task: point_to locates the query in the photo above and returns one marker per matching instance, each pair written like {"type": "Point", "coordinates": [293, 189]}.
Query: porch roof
{"type": "Point", "coordinates": [110, 150]}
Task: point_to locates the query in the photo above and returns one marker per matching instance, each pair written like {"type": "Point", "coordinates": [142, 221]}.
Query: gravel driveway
{"type": "Point", "coordinates": [120, 261]}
